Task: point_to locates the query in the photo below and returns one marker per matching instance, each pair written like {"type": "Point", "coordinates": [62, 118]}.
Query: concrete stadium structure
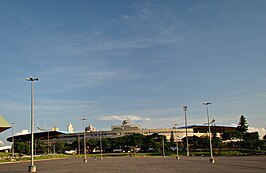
{"type": "Point", "coordinates": [121, 130]}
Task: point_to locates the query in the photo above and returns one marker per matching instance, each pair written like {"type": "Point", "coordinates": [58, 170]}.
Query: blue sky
{"type": "Point", "coordinates": [146, 59]}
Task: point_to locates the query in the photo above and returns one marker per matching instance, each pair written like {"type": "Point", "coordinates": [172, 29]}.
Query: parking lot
{"type": "Point", "coordinates": [147, 164]}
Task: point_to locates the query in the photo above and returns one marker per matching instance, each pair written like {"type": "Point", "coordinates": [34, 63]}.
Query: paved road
{"type": "Point", "coordinates": [241, 164]}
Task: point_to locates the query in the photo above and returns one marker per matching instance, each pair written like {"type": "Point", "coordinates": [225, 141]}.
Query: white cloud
{"type": "Point", "coordinates": [123, 117]}
{"type": "Point", "coordinates": [132, 43]}
{"type": "Point", "coordinates": [261, 131]}
{"type": "Point", "coordinates": [127, 17]}
{"type": "Point", "coordinates": [233, 125]}
{"type": "Point", "coordinates": [23, 132]}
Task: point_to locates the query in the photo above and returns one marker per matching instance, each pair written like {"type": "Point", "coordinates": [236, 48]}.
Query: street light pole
{"type": "Point", "coordinates": [101, 145]}
{"type": "Point", "coordinates": [13, 141]}
{"type": "Point", "coordinates": [85, 151]}
{"type": "Point", "coordinates": [78, 145]}
{"type": "Point", "coordinates": [32, 167]}
{"type": "Point", "coordinates": [48, 143]}
{"type": "Point", "coordinates": [206, 104]}
{"type": "Point", "coordinates": [177, 153]}
{"type": "Point", "coordinates": [163, 146]}
{"type": "Point", "coordinates": [185, 110]}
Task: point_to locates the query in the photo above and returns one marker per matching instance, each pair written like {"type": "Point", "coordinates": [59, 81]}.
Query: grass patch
{"type": "Point", "coordinates": [7, 157]}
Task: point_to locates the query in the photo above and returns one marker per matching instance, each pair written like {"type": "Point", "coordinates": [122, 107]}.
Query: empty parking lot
{"type": "Point", "coordinates": [148, 165]}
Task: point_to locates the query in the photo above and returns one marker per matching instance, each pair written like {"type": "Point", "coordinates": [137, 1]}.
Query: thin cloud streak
{"type": "Point", "coordinates": [123, 117]}
{"type": "Point", "coordinates": [77, 77]}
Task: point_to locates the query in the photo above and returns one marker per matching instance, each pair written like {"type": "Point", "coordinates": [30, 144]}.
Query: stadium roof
{"type": "Point", "coordinates": [37, 135]}
{"type": "Point", "coordinates": [218, 128]}
{"type": "Point", "coordinates": [4, 125]}
{"type": "Point", "coordinates": [206, 125]}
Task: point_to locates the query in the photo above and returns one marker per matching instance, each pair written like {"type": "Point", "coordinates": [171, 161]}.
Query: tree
{"type": "Point", "coordinates": [251, 140]}
{"type": "Point", "coordinates": [196, 142]}
{"type": "Point", "coordinates": [242, 126]}
{"type": "Point", "coordinates": [60, 146]}
{"type": "Point", "coordinates": [41, 146]}
{"type": "Point", "coordinates": [137, 140]}
{"type": "Point", "coordinates": [148, 143]}
{"type": "Point", "coordinates": [74, 144]}
{"type": "Point", "coordinates": [92, 143]}
{"type": "Point", "coordinates": [230, 135]}
{"type": "Point", "coordinates": [217, 143]}
{"type": "Point", "coordinates": [22, 147]}
{"type": "Point", "coordinates": [153, 141]}
{"type": "Point", "coordinates": [106, 142]}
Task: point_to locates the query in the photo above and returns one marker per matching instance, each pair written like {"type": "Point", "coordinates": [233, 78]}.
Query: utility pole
{"type": "Point", "coordinates": [185, 110]}
{"type": "Point", "coordinates": [210, 136]}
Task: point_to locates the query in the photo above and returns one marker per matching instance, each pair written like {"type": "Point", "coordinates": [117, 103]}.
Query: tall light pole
{"type": "Point", "coordinates": [177, 153]}
{"type": "Point", "coordinates": [185, 110]}
{"type": "Point", "coordinates": [206, 104]}
{"type": "Point", "coordinates": [163, 146]}
{"type": "Point", "coordinates": [78, 145]}
{"type": "Point", "coordinates": [101, 145]}
{"type": "Point", "coordinates": [32, 167]}
{"type": "Point", "coordinates": [48, 142]}
{"type": "Point", "coordinates": [13, 141]}
{"type": "Point", "coordinates": [85, 151]}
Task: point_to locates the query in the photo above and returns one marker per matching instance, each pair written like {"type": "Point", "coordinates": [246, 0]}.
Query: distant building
{"type": "Point", "coordinates": [127, 129]}
{"type": "Point", "coordinates": [70, 128]}
{"type": "Point", "coordinates": [90, 128]}
{"type": "Point", "coordinates": [126, 125]}
{"type": "Point", "coordinates": [54, 129]}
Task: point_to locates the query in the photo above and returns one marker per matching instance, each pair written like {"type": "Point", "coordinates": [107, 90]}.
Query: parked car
{"type": "Point", "coordinates": [71, 152]}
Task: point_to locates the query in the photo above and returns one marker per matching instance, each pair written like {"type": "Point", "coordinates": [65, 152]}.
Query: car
{"type": "Point", "coordinates": [71, 152]}
{"type": "Point", "coordinates": [173, 148]}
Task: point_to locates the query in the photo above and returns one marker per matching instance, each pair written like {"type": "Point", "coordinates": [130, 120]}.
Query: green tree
{"type": "Point", "coordinates": [60, 146]}
{"type": "Point", "coordinates": [117, 142]}
{"type": "Point", "coordinates": [74, 144]}
{"type": "Point", "coordinates": [22, 147]}
{"type": "Point", "coordinates": [153, 141]}
{"type": "Point", "coordinates": [251, 140]}
{"type": "Point", "coordinates": [242, 127]}
{"type": "Point", "coordinates": [197, 142]}
{"type": "Point", "coordinates": [91, 144]}
{"type": "Point", "coordinates": [230, 135]}
{"type": "Point", "coordinates": [217, 142]}
{"type": "Point", "coordinates": [41, 146]}
{"type": "Point", "coordinates": [135, 140]}
{"type": "Point", "coordinates": [148, 143]}
{"type": "Point", "coordinates": [106, 142]}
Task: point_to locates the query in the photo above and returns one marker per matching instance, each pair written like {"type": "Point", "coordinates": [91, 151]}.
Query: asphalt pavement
{"type": "Point", "coordinates": [243, 164]}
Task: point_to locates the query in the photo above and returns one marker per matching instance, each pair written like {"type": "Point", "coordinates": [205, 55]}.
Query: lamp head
{"type": "Point", "coordinates": [207, 103]}
{"type": "Point", "coordinates": [84, 118]}
{"type": "Point", "coordinates": [32, 79]}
